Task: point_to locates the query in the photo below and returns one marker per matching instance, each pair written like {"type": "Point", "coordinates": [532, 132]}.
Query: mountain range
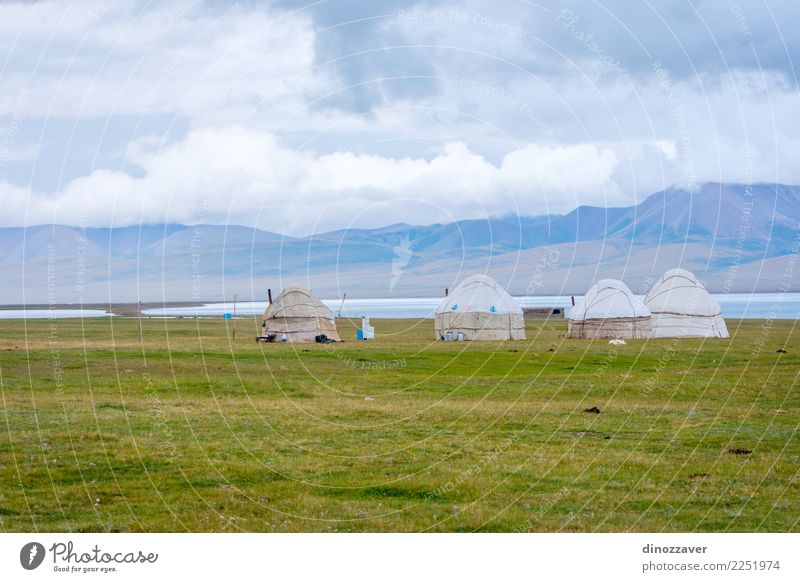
{"type": "Point", "coordinates": [734, 237]}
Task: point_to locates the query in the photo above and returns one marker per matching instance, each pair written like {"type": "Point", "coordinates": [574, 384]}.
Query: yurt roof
{"type": "Point", "coordinates": [678, 291]}
{"type": "Point", "coordinates": [608, 298]}
{"type": "Point", "coordinates": [297, 301]}
{"type": "Point", "coordinates": [479, 293]}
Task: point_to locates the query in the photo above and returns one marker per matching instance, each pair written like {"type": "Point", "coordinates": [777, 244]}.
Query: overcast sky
{"type": "Point", "coordinates": [301, 117]}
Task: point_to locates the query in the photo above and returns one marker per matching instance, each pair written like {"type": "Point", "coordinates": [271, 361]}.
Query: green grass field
{"type": "Point", "coordinates": [194, 431]}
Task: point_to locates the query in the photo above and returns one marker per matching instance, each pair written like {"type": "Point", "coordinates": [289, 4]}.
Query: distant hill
{"type": "Point", "coordinates": [735, 238]}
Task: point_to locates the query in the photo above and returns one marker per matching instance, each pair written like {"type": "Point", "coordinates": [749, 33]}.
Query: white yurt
{"type": "Point", "coordinates": [297, 316]}
{"type": "Point", "coordinates": [609, 310]}
{"type": "Point", "coordinates": [682, 307]}
{"type": "Point", "coordinates": [480, 309]}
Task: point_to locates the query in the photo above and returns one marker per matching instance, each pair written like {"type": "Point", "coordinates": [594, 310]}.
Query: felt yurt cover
{"type": "Point", "coordinates": [300, 315]}
{"type": "Point", "coordinates": [609, 310]}
{"type": "Point", "coordinates": [481, 310]}
{"type": "Point", "coordinates": [682, 307]}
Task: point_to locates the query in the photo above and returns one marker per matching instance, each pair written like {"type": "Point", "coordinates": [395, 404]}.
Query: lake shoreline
{"type": "Point", "coordinates": [734, 306]}
{"type": "Point", "coordinates": [129, 309]}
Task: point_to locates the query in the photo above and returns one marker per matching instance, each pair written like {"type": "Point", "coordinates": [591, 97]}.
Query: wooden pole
{"type": "Point", "coordinates": [269, 295]}
{"type": "Point", "coordinates": [339, 314]}
{"type": "Point", "coordinates": [446, 291]}
{"type": "Point", "coordinates": [235, 296]}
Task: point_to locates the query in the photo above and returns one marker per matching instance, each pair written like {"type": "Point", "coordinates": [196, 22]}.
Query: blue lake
{"type": "Point", "coordinates": [756, 305]}
{"type": "Point", "coordinates": [51, 313]}
{"type": "Point", "coordinates": [745, 305]}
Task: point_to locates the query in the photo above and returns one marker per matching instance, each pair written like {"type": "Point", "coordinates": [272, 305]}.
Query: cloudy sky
{"type": "Point", "coordinates": [300, 116]}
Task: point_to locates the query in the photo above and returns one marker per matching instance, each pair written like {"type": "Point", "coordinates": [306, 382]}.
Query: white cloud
{"type": "Point", "coordinates": [71, 59]}
{"type": "Point", "coordinates": [482, 109]}
{"type": "Point", "coordinates": [246, 176]}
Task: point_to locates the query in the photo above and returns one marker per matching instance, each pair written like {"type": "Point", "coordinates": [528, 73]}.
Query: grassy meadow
{"type": "Point", "coordinates": [191, 430]}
